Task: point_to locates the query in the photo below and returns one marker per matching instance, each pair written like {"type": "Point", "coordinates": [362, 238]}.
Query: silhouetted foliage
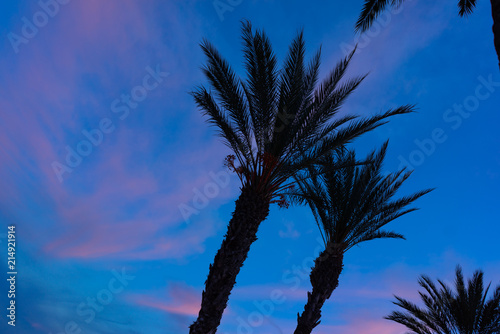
{"type": "Point", "coordinates": [350, 205]}
{"type": "Point", "coordinates": [373, 8]}
{"type": "Point", "coordinates": [464, 310]}
{"type": "Point", "coordinates": [277, 122]}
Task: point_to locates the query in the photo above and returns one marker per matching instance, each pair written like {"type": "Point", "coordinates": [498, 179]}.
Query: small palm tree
{"type": "Point", "coordinates": [277, 123]}
{"type": "Point", "coordinates": [351, 205]}
{"type": "Point", "coordinates": [463, 311]}
{"type": "Point", "coordinates": [373, 8]}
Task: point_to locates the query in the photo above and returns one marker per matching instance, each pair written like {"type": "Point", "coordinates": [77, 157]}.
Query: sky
{"type": "Point", "coordinates": [118, 238]}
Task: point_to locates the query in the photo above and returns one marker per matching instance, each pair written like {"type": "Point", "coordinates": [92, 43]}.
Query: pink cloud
{"type": "Point", "coordinates": [358, 322]}
{"type": "Point", "coordinates": [364, 325]}
{"type": "Point", "coordinates": [178, 299]}
{"type": "Point", "coordinates": [114, 204]}
{"type": "Point", "coordinates": [107, 229]}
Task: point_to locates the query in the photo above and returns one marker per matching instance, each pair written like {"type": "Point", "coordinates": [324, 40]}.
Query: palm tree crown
{"type": "Point", "coordinates": [352, 203]}
{"type": "Point", "coordinates": [465, 310]}
{"type": "Point", "coordinates": [277, 122]}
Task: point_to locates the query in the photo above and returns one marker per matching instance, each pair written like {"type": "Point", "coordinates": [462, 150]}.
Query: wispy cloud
{"type": "Point", "coordinates": [177, 299]}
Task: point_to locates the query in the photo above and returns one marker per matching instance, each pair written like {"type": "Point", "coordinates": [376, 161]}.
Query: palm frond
{"type": "Point", "coordinates": [466, 7]}
{"type": "Point", "coordinates": [224, 81]}
{"type": "Point", "coordinates": [261, 84]}
{"type": "Point", "coordinates": [232, 138]}
{"type": "Point", "coordinates": [370, 12]}
{"type": "Point", "coordinates": [353, 204]}
{"type": "Point", "coordinates": [292, 90]}
{"type": "Point", "coordinates": [462, 310]}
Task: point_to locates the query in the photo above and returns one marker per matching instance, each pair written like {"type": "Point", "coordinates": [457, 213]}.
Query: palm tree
{"type": "Point", "coordinates": [463, 311]}
{"type": "Point", "coordinates": [373, 8]}
{"type": "Point", "coordinates": [276, 122]}
{"type": "Point", "coordinates": [350, 205]}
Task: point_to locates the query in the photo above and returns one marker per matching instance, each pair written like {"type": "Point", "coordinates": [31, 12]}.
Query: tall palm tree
{"type": "Point", "coordinates": [276, 122]}
{"type": "Point", "coordinates": [350, 205]}
{"type": "Point", "coordinates": [463, 311]}
{"type": "Point", "coordinates": [373, 8]}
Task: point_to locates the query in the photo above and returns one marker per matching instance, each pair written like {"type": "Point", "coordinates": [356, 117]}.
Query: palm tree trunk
{"type": "Point", "coordinates": [324, 279]}
{"type": "Point", "coordinates": [495, 12]}
{"type": "Point", "coordinates": [251, 209]}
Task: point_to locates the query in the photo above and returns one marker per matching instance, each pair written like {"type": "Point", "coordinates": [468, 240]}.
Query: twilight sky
{"type": "Point", "coordinates": [104, 244]}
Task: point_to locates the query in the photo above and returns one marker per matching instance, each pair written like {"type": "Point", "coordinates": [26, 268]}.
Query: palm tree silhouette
{"type": "Point", "coordinates": [277, 123]}
{"type": "Point", "coordinates": [463, 311]}
{"type": "Point", "coordinates": [350, 205]}
{"type": "Point", "coordinates": [373, 8]}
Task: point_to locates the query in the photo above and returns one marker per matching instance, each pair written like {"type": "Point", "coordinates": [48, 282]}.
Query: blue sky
{"type": "Point", "coordinates": [108, 228]}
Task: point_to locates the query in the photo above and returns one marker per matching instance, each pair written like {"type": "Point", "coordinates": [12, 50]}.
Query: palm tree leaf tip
{"type": "Point", "coordinates": [466, 7]}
